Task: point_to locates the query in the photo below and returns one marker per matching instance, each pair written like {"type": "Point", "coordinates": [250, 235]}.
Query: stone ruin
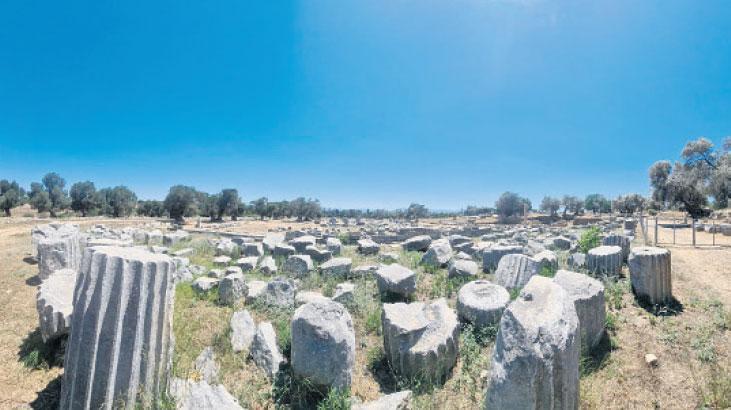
{"type": "Point", "coordinates": [119, 348]}
{"type": "Point", "coordinates": [542, 329]}
{"type": "Point", "coordinates": [535, 364]}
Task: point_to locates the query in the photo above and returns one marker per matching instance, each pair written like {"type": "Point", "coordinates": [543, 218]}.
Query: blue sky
{"type": "Point", "coordinates": [361, 104]}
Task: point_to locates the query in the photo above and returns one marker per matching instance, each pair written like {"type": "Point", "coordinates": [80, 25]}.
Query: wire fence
{"type": "Point", "coordinates": [683, 232]}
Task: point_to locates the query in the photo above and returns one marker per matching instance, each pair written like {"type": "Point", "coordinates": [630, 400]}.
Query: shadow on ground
{"type": "Point", "coordinates": [49, 398]}
{"type": "Point", "coordinates": [35, 354]}
{"type": "Point", "coordinates": [34, 280]}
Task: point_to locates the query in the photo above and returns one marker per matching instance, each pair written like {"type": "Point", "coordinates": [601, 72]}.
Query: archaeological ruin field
{"type": "Point", "coordinates": [439, 313]}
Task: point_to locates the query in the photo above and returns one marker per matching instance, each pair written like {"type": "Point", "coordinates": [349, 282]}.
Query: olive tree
{"type": "Point", "coordinates": [11, 195]}
{"type": "Point", "coordinates": [58, 198]}
{"type": "Point", "coordinates": [571, 204]}
{"type": "Point", "coordinates": [509, 204]}
{"type": "Point", "coordinates": [122, 201]}
{"type": "Point", "coordinates": [38, 197]}
{"type": "Point", "coordinates": [597, 203]}
{"type": "Point", "coordinates": [550, 205]}
{"type": "Point", "coordinates": [416, 211]}
{"type": "Point", "coordinates": [83, 197]}
{"type": "Point", "coordinates": [228, 202]}
{"type": "Point", "coordinates": [181, 201]}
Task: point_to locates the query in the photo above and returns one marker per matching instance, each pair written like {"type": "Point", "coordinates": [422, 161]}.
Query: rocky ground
{"type": "Point", "coordinates": [691, 341]}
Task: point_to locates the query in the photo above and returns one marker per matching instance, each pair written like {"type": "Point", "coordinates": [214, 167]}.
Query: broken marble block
{"type": "Point", "coordinates": [264, 350]}
{"type": "Point", "coordinates": [535, 363]}
{"type": "Point", "coordinates": [588, 296]}
{"type": "Point", "coordinates": [323, 344]}
{"type": "Point", "coordinates": [396, 279]}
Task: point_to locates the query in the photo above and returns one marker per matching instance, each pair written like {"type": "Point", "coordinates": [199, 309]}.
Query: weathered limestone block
{"type": "Point", "coordinates": [192, 395]}
{"type": "Point", "coordinates": [297, 265]}
{"type": "Point", "coordinates": [650, 274]}
{"type": "Point", "coordinates": [232, 289]}
{"type": "Point", "coordinates": [535, 364]}
{"type": "Point", "coordinates": [206, 366]}
{"type": "Point", "coordinates": [420, 339]}
{"type": "Point", "coordinates": [456, 240]}
{"type": "Point", "coordinates": [271, 240]}
{"type": "Point", "coordinates": [438, 254]}
{"type": "Point", "coordinates": [301, 243]}
{"type": "Point", "coordinates": [588, 296]}
{"type": "Point", "coordinates": [396, 279]}
{"type": "Point", "coordinates": [417, 243]}
{"type": "Point", "coordinates": [546, 259]}
{"type": "Point", "coordinates": [515, 270]}
{"type": "Point", "coordinates": [119, 347]}
{"type": "Point", "coordinates": [243, 330]}
{"type": "Point", "coordinates": [323, 344]}
{"type": "Point", "coordinates": [279, 292]}
{"type": "Point", "coordinates": [460, 267]}
{"type": "Point", "coordinates": [344, 293]}
{"type": "Point", "coordinates": [264, 350]}
{"type": "Point", "coordinates": [172, 238]}
{"type": "Point", "coordinates": [394, 401]}
{"type": "Point", "coordinates": [577, 260]}
{"type": "Point", "coordinates": [334, 246]}
{"type": "Point", "coordinates": [605, 260]}
{"type": "Point", "coordinates": [618, 240]}
{"type": "Point", "coordinates": [54, 303]}
{"type": "Point", "coordinates": [282, 249]}
{"type": "Point", "coordinates": [247, 263]}
{"type": "Point", "coordinates": [318, 255]}
{"type": "Point", "coordinates": [256, 290]}
{"type": "Point", "coordinates": [226, 247]}
{"type": "Point", "coordinates": [491, 256]}
{"type": "Point", "coordinates": [561, 243]}
{"type": "Point", "coordinates": [252, 249]}
{"type": "Point", "coordinates": [367, 247]}
{"type": "Point", "coordinates": [268, 266]}
{"type": "Point", "coordinates": [337, 267]}
{"type": "Point", "coordinates": [482, 303]}
{"type": "Point", "coordinates": [307, 296]}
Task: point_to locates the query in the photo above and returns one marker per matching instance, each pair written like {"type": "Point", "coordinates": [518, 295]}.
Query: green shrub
{"type": "Point", "coordinates": [590, 239]}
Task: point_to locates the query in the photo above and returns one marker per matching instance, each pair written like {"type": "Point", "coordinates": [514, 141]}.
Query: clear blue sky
{"type": "Point", "coordinates": [361, 104]}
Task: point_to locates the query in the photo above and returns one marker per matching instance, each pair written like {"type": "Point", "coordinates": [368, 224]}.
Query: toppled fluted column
{"type": "Point", "coordinates": [535, 364]}
{"type": "Point", "coordinates": [650, 274]}
{"type": "Point", "coordinates": [605, 260]}
{"type": "Point", "coordinates": [420, 340]}
{"type": "Point", "coordinates": [588, 296]}
{"type": "Point", "coordinates": [119, 351]}
{"type": "Point", "coordinates": [491, 257]}
{"type": "Point", "coordinates": [54, 303]}
{"type": "Point", "coordinates": [515, 270]}
{"type": "Point", "coordinates": [58, 246]}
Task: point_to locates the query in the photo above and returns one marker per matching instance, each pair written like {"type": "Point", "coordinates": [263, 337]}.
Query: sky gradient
{"type": "Point", "coordinates": [370, 104]}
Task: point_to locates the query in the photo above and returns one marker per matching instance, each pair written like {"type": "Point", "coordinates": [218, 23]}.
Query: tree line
{"type": "Point", "coordinates": [50, 195]}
